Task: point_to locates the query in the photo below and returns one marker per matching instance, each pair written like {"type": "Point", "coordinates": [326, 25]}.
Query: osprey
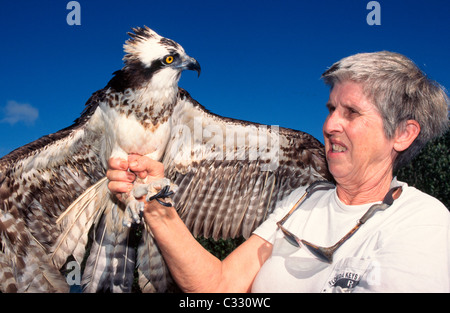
{"type": "Point", "coordinates": [55, 206]}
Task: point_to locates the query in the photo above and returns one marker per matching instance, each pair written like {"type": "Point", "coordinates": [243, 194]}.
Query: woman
{"type": "Point", "coordinates": [382, 111]}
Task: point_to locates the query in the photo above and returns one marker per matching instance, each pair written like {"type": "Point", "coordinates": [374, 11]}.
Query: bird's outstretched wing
{"type": "Point", "coordinates": [231, 174]}
{"type": "Point", "coordinates": [37, 183]}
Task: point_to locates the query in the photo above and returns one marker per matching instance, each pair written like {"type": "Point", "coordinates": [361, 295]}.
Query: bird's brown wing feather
{"type": "Point", "coordinates": [38, 182]}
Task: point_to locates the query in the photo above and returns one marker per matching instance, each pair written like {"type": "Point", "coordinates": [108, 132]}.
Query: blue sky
{"type": "Point", "coordinates": [261, 60]}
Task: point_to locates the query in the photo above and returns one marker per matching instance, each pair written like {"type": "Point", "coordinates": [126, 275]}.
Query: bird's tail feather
{"type": "Point", "coordinates": [77, 220]}
{"type": "Point", "coordinates": [154, 275]}
{"type": "Point", "coordinates": [111, 262]}
{"type": "Point", "coordinates": [96, 270]}
{"type": "Point", "coordinates": [124, 259]}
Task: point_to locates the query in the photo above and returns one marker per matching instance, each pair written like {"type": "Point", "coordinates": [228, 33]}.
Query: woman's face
{"type": "Point", "coordinates": [357, 148]}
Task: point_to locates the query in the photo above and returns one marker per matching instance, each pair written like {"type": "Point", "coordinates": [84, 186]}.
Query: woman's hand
{"type": "Point", "coordinates": [122, 173]}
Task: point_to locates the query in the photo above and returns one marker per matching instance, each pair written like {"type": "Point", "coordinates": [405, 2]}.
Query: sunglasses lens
{"type": "Point", "coordinates": [314, 250]}
{"type": "Point", "coordinates": [322, 254]}
{"type": "Point", "coordinates": [290, 237]}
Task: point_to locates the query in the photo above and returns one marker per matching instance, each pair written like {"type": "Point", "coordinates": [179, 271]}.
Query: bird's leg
{"type": "Point", "coordinates": [134, 208]}
{"type": "Point", "coordinates": [152, 190]}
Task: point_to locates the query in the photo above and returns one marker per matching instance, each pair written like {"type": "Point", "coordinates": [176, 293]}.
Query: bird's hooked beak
{"type": "Point", "coordinates": [191, 64]}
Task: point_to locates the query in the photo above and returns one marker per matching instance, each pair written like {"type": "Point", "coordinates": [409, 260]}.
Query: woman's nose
{"type": "Point", "coordinates": [333, 123]}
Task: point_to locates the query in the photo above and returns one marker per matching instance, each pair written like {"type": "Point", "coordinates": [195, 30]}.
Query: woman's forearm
{"type": "Point", "coordinates": [193, 267]}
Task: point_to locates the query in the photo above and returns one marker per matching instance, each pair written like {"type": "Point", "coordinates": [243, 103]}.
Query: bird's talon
{"type": "Point", "coordinates": [126, 223]}
{"type": "Point", "coordinates": [133, 213]}
{"type": "Point", "coordinates": [165, 192]}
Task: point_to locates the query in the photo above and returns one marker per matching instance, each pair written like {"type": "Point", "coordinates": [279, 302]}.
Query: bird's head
{"type": "Point", "coordinates": [152, 62]}
{"type": "Point", "coordinates": [155, 53]}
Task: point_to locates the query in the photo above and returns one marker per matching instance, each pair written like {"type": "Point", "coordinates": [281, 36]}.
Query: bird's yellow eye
{"type": "Point", "coordinates": [169, 59]}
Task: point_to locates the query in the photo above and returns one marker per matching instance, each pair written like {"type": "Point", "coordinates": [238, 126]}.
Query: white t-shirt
{"type": "Point", "coordinates": [405, 248]}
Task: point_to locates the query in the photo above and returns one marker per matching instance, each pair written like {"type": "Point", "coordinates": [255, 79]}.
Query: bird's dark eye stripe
{"type": "Point", "coordinates": [156, 66]}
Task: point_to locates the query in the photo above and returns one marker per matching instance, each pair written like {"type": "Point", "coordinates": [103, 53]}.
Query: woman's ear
{"type": "Point", "coordinates": [406, 134]}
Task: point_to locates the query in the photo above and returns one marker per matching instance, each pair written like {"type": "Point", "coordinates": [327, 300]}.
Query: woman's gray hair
{"type": "Point", "coordinates": [400, 91]}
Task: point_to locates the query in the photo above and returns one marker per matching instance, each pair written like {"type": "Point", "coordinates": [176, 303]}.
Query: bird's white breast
{"type": "Point", "coordinates": [131, 136]}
